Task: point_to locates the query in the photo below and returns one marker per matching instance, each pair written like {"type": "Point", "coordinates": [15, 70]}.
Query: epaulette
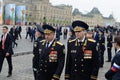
{"type": "Point", "coordinates": [71, 40]}
{"type": "Point", "coordinates": [92, 40]}
{"type": "Point", "coordinates": [59, 43]}
{"type": "Point", "coordinates": [42, 41]}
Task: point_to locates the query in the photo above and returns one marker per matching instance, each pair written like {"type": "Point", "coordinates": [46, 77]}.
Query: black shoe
{"type": "Point", "coordinates": [9, 75]}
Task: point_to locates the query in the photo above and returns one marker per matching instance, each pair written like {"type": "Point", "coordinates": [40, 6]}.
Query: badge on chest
{"type": "Point", "coordinates": [87, 54]}
{"type": "Point", "coordinates": [53, 55]}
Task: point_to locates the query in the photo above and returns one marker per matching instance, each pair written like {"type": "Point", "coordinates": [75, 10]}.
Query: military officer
{"type": "Point", "coordinates": [39, 36]}
{"type": "Point", "coordinates": [82, 57]}
{"type": "Point", "coordinates": [109, 44]}
{"type": "Point", "coordinates": [51, 56]}
{"type": "Point", "coordinates": [101, 47]}
{"type": "Point", "coordinates": [71, 33]}
{"type": "Point", "coordinates": [114, 72]}
{"type": "Point", "coordinates": [89, 34]}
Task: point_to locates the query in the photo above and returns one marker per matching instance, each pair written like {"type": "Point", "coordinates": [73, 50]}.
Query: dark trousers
{"type": "Point", "coordinates": [109, 53]}
{"type": "Point", "coordinates": [14, 42]}
{"type": "Point", "coordinates": [35, 65]}
{"type": "Point", "coordinates": [65, 36]}
{"type": "Point", "coordinates": [28, 33]}
{"type": "Point", "coordinates": [101, 58]}
{"type": "Point", "coordinates": [32, 37]}
{"type": "Point", "coordinates": [44, 76]}
{"type": "Point", "coordinates": [35, 75]}
{"type": "Point", "coordinates": [19, 35]}
{"type": "Point", "coordinates": [9, 61]}
{"type": "Point", "coordinates": [78, 76]}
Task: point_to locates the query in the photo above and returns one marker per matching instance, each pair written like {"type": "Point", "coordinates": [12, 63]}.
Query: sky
{"type": "Point", "coordinates": [106, 7]}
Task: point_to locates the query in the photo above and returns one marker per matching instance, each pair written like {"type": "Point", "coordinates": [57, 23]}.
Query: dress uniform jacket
{"type": "Point", "coordinates": [114, 72]}
{"type": "Point", "coordinates": [102, 43]}
{"type": "Point", "coordinates": [35, 53]}
{"type": "Point", "coordinates": [101, 49]}
{"type": "Point", "coordinates": [51, 60]}
{"type": "Point", "coordinates": [109, 40]}
{"type": "Point", "coordinates": [82, 60]}
{"type": "Point", "coordinates": [35, 60]}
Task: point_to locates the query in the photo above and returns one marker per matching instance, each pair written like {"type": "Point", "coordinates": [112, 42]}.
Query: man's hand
{"type": "Point", "coordinates": [7, 54]}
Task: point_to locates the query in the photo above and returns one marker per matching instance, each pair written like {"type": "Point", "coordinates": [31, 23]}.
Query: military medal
{"type": "Point", "coordinates": [53, 55]}
{"type": "Point", "coordinates": [87, 54]}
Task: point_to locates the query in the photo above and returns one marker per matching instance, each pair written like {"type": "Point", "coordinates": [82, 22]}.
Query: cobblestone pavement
{"type": "Point", "coordinates": [23, 64]}
{"type": "Point", "coordinates": [23, 69]}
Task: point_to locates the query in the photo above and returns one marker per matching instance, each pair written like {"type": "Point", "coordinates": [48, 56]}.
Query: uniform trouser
{"type": "Point", "coordinates": [19, 35]}
{"type": "Point", "coordinates": [65, 36]}
{"type": "Point", "coordinates": [44, 76]}
{"type": "Point", "coordinates": [32, 37]}
{"type": "Point", "coordinates": [101, 58]}
{"type": "Point", "coordinates": [35, 63]}
{"type": "Point", "coordinates": [28, 33]}
{"type": "Point", "coordinates": [77, 76]}
{"type": "Point", "coordinates": [109, 53]}
{"type": "Point", "coordinates": [14, 42]}
{"type": "Point", "coordinates": [9, 61]}
{"type": "Point", "coordinates": [35, 74]}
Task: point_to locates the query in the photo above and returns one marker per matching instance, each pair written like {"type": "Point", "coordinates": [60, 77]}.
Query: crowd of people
{"type": "Point", "coordinates": [85, 50]}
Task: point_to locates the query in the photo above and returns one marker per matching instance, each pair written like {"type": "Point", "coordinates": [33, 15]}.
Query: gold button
{"type": "Point", "coordinates": [75, 64]}
{"type": "Point", "coordinates": [82, 70]}
{"type": "Point", "coordinates": [75, 70]}
{"type": "Point", "coordinates": [75, 59]}
{"type": "Point", "coordinates": [81, 59]}
{"type": "Point", "coordinates": [45, 70]}
{"type": "Point", "coordinates": [45, 65]}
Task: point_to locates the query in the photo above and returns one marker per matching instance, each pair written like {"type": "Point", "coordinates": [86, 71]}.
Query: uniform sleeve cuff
{"type": "Point", "coordinates": [93, 77]}
{"type": "Point", "coordinates": [67, 76]}
{"type": "Point", "coordinates": [56, 76]}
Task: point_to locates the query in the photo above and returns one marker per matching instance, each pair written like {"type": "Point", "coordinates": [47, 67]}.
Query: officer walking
{"type": "Point", "coordinates": [82, 57]}
{"type": "Point", "coordinates": [51, 56]}
{"type": "Point", "coordinates": [39, 36]}
{"type": "Point", "coordinates": [101, 47]}
{"type": "Point", "coordinates": [109, 44]}
{"type": "Point", "coordinates": [114, 72]}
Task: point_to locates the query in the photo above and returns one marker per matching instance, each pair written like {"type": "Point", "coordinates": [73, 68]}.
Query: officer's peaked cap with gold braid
{"type": "Point", "coordinates": [79, 25]}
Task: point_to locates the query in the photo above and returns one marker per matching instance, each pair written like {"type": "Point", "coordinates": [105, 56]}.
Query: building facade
{"type": "Point", "coordinates": [43, 11]}
{"type": "Point", "coordinates": [93, 18]}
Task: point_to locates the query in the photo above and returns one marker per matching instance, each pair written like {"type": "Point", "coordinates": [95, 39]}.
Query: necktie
{"type": "Point", "coordinates": [47, 44]}
{"type": "Point", "coordinates": [3, 42]}
{"type": "Point", "coordinates": [80, 43]}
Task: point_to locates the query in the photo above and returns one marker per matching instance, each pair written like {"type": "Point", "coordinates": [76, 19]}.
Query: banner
{"type": "Point", "coordinates": [1, 11]}
{"type": "Point", "coordinates": [20, 15]}
{"type": "Point", "coordinates": [10, 14]}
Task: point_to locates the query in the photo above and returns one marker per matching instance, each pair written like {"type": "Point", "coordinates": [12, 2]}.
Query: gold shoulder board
{"type": "Point", "coordinates": [71, 40]}
{"type": "Point", "coordinates": [92, 40]}
{"type": "Point", "coordinates": [59, 43]}
{"type": "Point", "coordinates": [42, 41]}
